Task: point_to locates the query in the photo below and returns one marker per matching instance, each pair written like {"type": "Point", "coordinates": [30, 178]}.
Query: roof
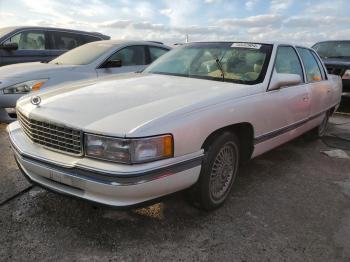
{"type": "Point", "coordinates": [12, 28]}
{"type": "Point", "coordinates": [132, 42]}
{"type": "Point", "coordinates": [253, 42]}
{"type": "Point", "coordinates": [327, 41]}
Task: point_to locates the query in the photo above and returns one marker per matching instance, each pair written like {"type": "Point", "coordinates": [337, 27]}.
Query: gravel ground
{"type": "Point", "coordinates": [291, 204]}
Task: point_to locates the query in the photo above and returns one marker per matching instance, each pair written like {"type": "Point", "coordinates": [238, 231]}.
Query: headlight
{"type": "Point", "coordinates": [129, 151]}
{"type": "Point", "coordinates": [25, 87]}
{"type": "Point", "coordinates": [346, 74]}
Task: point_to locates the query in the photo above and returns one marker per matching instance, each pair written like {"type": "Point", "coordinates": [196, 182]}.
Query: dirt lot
{"type": "Point", "coordinates": [292, 204]}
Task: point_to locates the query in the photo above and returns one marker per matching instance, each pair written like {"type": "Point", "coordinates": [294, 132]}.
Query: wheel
{"type": "Point", "coordinates": [219, 170]}
{"type": "Point", "coordinates": [320, 130]}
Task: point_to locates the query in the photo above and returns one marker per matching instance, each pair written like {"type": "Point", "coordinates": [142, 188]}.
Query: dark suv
{"type": "Point", "coordinates": [31, 44]}
{"type": "Point", "coordinates": [336, 57]}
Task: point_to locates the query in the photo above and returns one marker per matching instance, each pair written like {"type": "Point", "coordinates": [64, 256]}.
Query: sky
{"type": "Point", "coordinates": [297, 21]}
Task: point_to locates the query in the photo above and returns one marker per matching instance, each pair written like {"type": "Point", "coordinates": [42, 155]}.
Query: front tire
{"type": "Point", "coordinates": [219, 170]}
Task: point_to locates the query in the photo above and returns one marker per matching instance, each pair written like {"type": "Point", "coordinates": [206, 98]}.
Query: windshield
{"type": "Point", "coordinates": [230, 62]}
{"type": "Point", "coordinates": [336, 49]}
{"type": "Point", "coordinates": [5, 30]}
{"type": "Point", "coordinates": [82, 55]}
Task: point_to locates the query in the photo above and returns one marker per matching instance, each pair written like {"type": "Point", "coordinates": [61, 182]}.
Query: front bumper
{"type": "Point", "coordinates": [120, 185]}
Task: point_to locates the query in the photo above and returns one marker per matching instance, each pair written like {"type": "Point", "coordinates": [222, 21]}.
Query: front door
{"type": "Point", "coordinates": [132, 59]}
{"type": "Point", "coordinates": [32, 47]}
{"type": "Point", "coordinates": [287, 108]}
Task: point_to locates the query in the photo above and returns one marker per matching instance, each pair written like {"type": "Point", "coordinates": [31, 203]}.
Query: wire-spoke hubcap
{"type": "Point", "coordinates": [222, 171]}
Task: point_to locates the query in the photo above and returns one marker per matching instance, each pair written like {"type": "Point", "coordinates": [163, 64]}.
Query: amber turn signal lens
{"type": "Point", "coordinates": [37, 86]}
{"type": "Point", "coordinates": [168, 146]}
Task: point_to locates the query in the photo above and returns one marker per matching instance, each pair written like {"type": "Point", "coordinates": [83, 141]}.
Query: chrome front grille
{"type": "Point", "coordinates": [59, 138]}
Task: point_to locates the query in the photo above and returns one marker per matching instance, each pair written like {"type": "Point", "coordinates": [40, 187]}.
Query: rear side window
{"type": "Point", "coordinates": [319, 62]}
{"type": "Point", "coordinates": [29, 40]}
{"type": "Point", "coordinates": [65, 41]}
{"type": "Point", "coordinates": [312, 69]}
{"type": "Point", "coordinates": [156, 52]}
{"type": "Point", "coordinates": [287, 62]}
{"type": "Point", "coordinates": [130, 56]}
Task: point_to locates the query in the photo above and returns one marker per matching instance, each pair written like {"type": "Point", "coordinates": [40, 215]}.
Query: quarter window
{"type": "Point", "coordinates": [156, 52]}
{"type": "Point", "coordinates": [29, 40]}
{"type": "Point", "coordinates": [312, 69]}
{"type": "Point", "coordinates": [130, 56]}
{"type": "Point", "coordinates": [287, 62]}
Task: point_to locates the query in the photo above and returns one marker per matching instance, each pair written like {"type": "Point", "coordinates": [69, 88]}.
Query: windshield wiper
{"type": "Point", "coordinates": [217, 60]}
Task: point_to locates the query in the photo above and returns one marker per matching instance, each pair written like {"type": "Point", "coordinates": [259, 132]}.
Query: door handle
{"type": "Point", "coordinates": [305, 98]}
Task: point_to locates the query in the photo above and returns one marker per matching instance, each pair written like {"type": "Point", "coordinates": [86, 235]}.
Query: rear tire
{"type": "Point", "coordinates": [319, 131]}
{"type": "Point", "coordinates": [219, 170]}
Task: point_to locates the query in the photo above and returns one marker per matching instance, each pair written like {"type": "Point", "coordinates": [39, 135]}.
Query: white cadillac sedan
{"type": "Point", "coordinates": [186, 122]}
{"type": "Point", "coordinates": [90, 61]}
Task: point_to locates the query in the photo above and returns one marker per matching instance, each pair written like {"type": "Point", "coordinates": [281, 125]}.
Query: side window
{"type": "Point", "coordinates": [29, 40]}
{"type": "Point", "coordinates": [130, 56]}
{"type": "Point", "coordinates": [313, 72]}
{"type": "Point", "coordinates": [287, 62]}
{"type": "Point", "coordinates": [65, 41]}
{"type": "Point", "coordinates": [156, 52]}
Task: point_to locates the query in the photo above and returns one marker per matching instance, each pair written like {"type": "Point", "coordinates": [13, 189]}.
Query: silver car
{"type": "Point", "coordinates": [90, 61]}
{"type": "Point", "coordinates": [186, 122]}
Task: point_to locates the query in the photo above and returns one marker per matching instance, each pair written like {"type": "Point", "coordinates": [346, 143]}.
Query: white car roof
{"type": "Point", "coordinates": [255, 42]}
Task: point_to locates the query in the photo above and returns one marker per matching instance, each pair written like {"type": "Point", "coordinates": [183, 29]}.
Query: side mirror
{"type": "Point", "coordinates": [112, 64]}
{"type": "Point", "coordinates": [280, 80]}
{"type": "Point", "coordinates": [9, 46]}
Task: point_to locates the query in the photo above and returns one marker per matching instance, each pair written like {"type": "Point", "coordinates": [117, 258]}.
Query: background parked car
{"type": "Point", "coordinates": [336, 57]}
{"type": "Point", "coordinates": [30, 44]}
{"type": "Point", "coordinates": [92, 60]}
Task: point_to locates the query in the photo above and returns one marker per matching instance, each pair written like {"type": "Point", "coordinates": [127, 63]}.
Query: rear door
{"type": "Point", "coordinates": [32, 47]}
{"type": "Point", "coordinates": [61, 42]}
{"type": "Point", "coordinates": [319, 87]}
{"type": "Point", "coordinates": [133, 59]}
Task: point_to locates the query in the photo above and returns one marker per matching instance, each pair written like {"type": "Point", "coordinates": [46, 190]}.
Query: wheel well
{"type": "Point", "coordinates": [245, 134]}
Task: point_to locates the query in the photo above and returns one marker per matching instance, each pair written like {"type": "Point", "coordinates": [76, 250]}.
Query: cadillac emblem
{"type": "Point", "coordinates": [35, 100]}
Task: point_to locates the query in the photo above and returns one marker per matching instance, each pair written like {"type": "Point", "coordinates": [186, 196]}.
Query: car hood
{"type": "Point", "coordinates": [337, 62]}
{"type": "Point", "coordinates": [29, 70]}
{"type": "Point", "coordinates": [120, 106]}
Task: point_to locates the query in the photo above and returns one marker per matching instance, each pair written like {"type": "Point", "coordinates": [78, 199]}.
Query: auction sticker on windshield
{"type": "Point", "coordinates": [246, 45]}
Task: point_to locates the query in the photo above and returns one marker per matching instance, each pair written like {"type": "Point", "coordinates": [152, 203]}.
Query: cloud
{"type": "Point", "coordinates": [116, 23]}
{"type": "Point", "coordinates": [181, 12]}
{"type": "Point", "coordinates": [277, 6]}
{"type": "Point", "coordinates": [252, 21]}
{"type": "Point", "coordinates": [169, 21]}
{"type": "Point", "coordinates": [315, 21]}
{"type": "Point", "coordinates": [249, 5]}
